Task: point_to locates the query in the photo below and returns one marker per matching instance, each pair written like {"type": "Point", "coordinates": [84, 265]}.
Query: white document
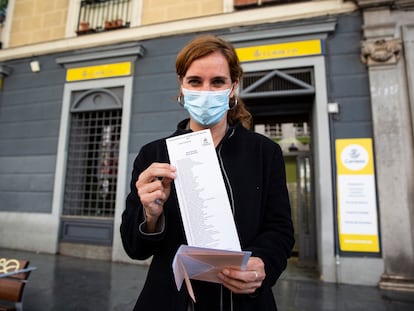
{"type": "Point", "coordinates": [202, 196]}
{"type": "Point", "coordinates": [213, 242]}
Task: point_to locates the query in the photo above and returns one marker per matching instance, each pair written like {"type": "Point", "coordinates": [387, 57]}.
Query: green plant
{"type": "Point", "coordinates": [3, 10]}
{"type": "Point", "coordinates": [3, 4]}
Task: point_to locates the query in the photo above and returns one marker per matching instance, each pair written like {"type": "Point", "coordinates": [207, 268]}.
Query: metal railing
{"type": "Point", "coordinates": [103, 15]}
{"type": "Point", "coordinates": [92, 165]}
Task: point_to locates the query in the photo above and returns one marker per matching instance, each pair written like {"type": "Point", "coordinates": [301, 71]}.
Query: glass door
{"type": "Point", "coordinates": [305, 211]}
{"type": "Point", "coordinates": [294, 139]}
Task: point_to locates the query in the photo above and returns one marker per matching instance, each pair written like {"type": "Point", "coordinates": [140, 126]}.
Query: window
{"type": "Point", "coordinates": [92, 165]}
{"type": "Point", "coordinates": [103, 15]}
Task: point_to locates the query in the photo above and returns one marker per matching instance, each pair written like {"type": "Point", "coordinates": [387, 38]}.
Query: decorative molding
{"type": "Point", "coordinates": [318, 27]}
{"type": "Point", "coordinates": [365, 4]}
{"type": "Point", "coordinates": [94, 54]}
{"type": "Point", "coordinates": [5, 71]}
{"type": "Point", "coordinates": [404, 4]}
{"type": "Point", "coordinates": [395, 4]}
{"type": "Point", "coordinates": [396, 283]}
{"type": "Point", "coordinates": [377, 31]}
{"type": "Point", "coordinates": [381, 52]}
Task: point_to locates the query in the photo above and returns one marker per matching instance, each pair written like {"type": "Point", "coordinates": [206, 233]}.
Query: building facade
{"type": "Point", "coordinates": [84, 84]}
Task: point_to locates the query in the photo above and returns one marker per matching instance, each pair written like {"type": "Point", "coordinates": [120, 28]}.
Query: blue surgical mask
{"type": "Point", "coordinates": [207, 108]}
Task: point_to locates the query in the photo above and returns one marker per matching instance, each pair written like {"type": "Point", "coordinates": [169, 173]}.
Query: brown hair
{"type": "Point", "coordinates": [204, 45]}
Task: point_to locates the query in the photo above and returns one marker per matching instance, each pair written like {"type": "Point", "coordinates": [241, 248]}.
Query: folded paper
{"type": "Point", "coordinates": [204, 264]}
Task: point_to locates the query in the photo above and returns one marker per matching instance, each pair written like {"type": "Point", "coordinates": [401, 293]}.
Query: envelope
{"type": "Point", "coordinates": [204, 264]}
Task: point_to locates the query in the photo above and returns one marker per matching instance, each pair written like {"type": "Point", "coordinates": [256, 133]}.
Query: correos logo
{"type": "Point", "coordinates": [354, 157]}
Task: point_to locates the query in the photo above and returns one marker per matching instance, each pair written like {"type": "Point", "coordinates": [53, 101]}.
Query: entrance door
{"type": "Point", "coordinates": [305, 211]}
{"type": "Point", "coordinates": [295, 143]}
{"type": "Point", "coordinates": [281, 104]}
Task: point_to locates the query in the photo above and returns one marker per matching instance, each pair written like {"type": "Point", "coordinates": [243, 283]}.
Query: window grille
{"type": "Point", "coordinates": [278, 83]}
{"type": "Point", "coordinates": [103, 15]}
{"type": "Point", "coordinates": [92, 163]}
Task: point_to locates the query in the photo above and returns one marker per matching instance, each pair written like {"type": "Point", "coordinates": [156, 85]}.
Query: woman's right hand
{"type": "Point", "coordinates": [154, 187]}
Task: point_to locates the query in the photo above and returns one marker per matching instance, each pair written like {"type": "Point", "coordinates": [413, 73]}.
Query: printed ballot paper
{"type": "Point", "coordinates": [205, 209]}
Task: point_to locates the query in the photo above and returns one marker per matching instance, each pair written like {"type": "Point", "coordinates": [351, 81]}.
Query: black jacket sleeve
{"type": "Point", "coordinates": [137, 243]}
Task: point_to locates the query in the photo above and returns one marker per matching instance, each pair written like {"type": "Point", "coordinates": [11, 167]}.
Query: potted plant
{"type": "Point", "coordinates": [114, 24]}
{"type": "Point", "coordinates": [83, 26]}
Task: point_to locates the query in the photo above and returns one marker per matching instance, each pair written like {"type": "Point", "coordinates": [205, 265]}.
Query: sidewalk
{"type": "Point", "coordinates": [63, 283]}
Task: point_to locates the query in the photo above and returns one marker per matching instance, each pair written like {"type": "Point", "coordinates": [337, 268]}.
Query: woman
{"type": "Point", "coordinates": [209, 73]}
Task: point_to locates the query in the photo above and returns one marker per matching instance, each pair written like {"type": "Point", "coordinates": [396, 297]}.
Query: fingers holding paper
{"type": "Point", "coordinates": [244, 281]}
{"type": "Point", "coordinates": [154, 187]}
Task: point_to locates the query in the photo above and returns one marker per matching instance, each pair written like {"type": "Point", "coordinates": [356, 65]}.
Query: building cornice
{"type": "Point", "coordinates": [131, 51]}
{"type": "Point", "coordinates": [223, 21]}
{"type": "Point", "coordinates": [396, 4]}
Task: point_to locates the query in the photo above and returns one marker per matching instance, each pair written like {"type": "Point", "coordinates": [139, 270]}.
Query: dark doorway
{"type": "Point", "coordinates": [281, 103]}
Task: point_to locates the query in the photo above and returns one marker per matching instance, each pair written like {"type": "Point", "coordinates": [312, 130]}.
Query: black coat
{"type": "Point", "coordinates": [256, 183]}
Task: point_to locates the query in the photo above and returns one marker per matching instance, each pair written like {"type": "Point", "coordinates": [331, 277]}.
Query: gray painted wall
{"type": "Point", "coordinates": [30, 105]}
{"type": "Point", "coordinates": [347, 80]}
{"type": "Point", "coordinates": [155, 111]}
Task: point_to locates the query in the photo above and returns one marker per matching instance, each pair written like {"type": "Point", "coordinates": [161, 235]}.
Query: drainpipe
{"type": "Point", "coordinates": [333, 111]}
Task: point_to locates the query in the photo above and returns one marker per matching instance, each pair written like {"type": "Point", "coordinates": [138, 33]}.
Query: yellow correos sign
{"type": "Point", "coordinates": [280, 50]}
{"type": "Point", "coordinates": [355, 156]}
{"type": "Point", "coordinates": [99, 71]}
{"type": "Point", "coordinates": [356, 193]}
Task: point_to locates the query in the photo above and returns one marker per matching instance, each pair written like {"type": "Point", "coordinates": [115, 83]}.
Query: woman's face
{"type": "Point", "coordinates": [209, 73]}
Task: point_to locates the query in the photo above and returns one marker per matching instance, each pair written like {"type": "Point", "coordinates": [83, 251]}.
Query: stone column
{"type": "Point", "coordinates": [382, 52]}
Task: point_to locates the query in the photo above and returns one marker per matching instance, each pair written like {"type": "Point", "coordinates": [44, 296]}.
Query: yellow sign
{"type": "Point", "coordinates": [356, 193]}
{"type": "Point", "coordinates": [280, 50]}
{"type": "Point", "coordinates": [354, 156]}
{"type": "Point", "coordinates": [99, 72]}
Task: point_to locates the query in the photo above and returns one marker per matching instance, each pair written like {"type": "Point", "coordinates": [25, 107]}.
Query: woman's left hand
{"type": "Point", "coordinates": [244, 281]}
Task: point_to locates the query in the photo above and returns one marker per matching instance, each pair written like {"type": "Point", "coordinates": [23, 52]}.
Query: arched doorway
{"type": "Point", "coordinates": [91, 170]}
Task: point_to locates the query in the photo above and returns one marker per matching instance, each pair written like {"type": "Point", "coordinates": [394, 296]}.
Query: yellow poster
{"type": "Point", "coordinates": [356, 193]}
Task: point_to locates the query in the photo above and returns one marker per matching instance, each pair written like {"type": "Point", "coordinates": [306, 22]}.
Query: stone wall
{"type": "Point", "coordinates": [38, 21]}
